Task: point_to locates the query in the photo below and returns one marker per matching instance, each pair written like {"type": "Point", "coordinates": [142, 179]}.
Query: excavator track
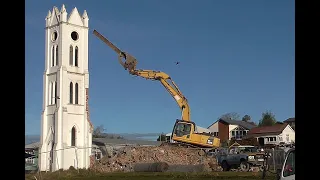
{"type": "Point", "coordinates": [202, 150]}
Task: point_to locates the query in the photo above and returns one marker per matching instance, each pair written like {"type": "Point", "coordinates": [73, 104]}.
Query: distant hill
{"type": "Point", "coordinates": [31, 139]}
{"type": "Point", "coordinates": [134, 136]}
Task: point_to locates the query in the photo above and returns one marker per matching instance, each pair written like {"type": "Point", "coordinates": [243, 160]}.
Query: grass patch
{"type": "Point", "coordinates": [91, 175]}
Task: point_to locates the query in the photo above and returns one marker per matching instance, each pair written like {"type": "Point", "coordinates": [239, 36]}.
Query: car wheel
{"type": "Point", "coordinates": [225, 166]}
{"type": "Point", "coordinates": [244, 166]}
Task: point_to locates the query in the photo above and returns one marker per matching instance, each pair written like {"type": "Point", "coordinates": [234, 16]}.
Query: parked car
{"type": "Point", "coordinates": [288, 168]}
{"type": "Point", "coordinates": [241, 156]}
{"type": "Point", "coordinates": [215, 152]}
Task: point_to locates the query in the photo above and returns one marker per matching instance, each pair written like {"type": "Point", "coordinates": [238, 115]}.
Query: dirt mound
{"type": "Point", "coordinates": [125, 158]}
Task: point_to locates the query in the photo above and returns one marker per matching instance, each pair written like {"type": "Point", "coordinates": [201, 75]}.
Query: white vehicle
{"type": "Point", "coordinates": [288, 169]}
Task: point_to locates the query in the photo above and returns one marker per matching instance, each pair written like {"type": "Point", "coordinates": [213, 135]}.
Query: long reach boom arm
{"type": "Point", "coordinates": [130, 64]}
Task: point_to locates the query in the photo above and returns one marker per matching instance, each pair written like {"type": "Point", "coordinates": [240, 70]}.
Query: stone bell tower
{"type": "Point", "coordinates": [66, 130]}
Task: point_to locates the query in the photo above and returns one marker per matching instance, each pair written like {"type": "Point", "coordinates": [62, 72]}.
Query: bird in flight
{"type": "Point", "coordinates": [177, 63]}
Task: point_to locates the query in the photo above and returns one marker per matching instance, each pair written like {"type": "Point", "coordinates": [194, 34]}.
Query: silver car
{"type": "Point", "coordinates": [288, 169]}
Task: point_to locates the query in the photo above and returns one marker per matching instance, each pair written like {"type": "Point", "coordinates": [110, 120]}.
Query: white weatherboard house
{"type": "Point", "coordinates": [226, 129]}
{"type": "Point", "coordinates": [66, 130]}
{"type": "Point", "coordinates": [276, 134]}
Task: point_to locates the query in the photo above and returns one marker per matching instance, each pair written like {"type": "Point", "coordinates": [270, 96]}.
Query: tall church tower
{"type": "Point", "coordinates": [66, 130]}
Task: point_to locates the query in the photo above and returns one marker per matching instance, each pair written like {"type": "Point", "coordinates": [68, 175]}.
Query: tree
{"type": "Point", "coordinates": [98, 132]}
{"type": "Point", "coordinates": [268, 119]}
{"type": "Point", "coordinates": [231, 116]}
{"type": "Point", "coordinates": [246, 118]}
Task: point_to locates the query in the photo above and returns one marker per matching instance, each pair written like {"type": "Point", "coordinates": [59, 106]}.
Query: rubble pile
{"type": "Point", "coordinates": [125, 158]}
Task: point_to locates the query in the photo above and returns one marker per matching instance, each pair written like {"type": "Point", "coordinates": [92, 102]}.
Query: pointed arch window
{"type": "Point", "coordinates": [73, 136]}
{"type": "Point", "coordinates": [57, 55]}
{"type": "Point", "coordinates": [49, 94]}
{"type": "Point", "coordinates": [52, 62]}
{"type": "Point", "coordinates": [71, 55]}
{"type": "Point", "coordinates": [71, 93]}
{"type": "Point", "coordinates": [76, 60]}
{"type": "Point", "coordinates": [52, 93]}
{"type": "Point", "coordinates": [76, 93]}
{"type": "Point", "coordinates": [55, 92]}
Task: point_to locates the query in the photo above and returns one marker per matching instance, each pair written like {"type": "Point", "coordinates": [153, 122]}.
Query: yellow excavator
{"type": "Point", "coordinates": [184, 131]}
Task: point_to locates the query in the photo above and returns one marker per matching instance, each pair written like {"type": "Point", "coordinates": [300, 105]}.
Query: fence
{"type": "Point", "coordinates": [277, 158]}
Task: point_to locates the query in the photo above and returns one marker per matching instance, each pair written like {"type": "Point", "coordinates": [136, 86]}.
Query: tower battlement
{"type": "Point", "coordinates": [56, 16]}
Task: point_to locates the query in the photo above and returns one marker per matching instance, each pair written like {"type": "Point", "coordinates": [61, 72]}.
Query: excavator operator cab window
{"type": "Point", "coordinates": [182, 129]}
{"type": "Point", "coordinates": [187, 128]}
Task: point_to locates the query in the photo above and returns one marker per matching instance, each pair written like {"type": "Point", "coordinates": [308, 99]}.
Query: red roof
{"type": "Point", "coordinates": [277, 128]}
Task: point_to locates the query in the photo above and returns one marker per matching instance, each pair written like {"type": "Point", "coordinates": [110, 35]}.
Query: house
{"type": "Point", "coordinates": [31, 151]}
{"type": "Point", "coordinates": [31, 157]}
{"type": "Point", "coordinates": [273, 135]}
{"type": "Point", "coordinates": [225, 129]}
{"type": "Point", "coordinates": [291, 122]}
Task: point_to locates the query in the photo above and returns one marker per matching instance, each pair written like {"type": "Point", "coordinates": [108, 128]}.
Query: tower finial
{"type": "Point", "coordinates": [63, 14]}
{"type": "Point", "coordinates": [63, 9]}
{"type": "Point", "coordinates": [84, 15]}
{"type": "Point", "coordinates": [49, 14]}
{"type": "Point", "coordinates": [85, 18]}
{"type": "Point", "coordinates": [56, 10]}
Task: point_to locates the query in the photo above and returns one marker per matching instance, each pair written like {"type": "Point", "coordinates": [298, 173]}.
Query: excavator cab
{"type": "Point", "coordinates": [183, 128]}
{"type": "Point", "coordinates": [186, 132]}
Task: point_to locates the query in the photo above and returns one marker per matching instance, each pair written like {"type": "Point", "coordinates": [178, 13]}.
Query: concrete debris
{"type": "Point", "coordinates": [177, 158]}
{"type": "Point", "coordinates": [151, 167]}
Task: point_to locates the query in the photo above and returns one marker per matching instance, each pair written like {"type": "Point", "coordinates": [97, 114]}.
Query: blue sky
{"type": "Point", "coordinates": [236, 56]}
